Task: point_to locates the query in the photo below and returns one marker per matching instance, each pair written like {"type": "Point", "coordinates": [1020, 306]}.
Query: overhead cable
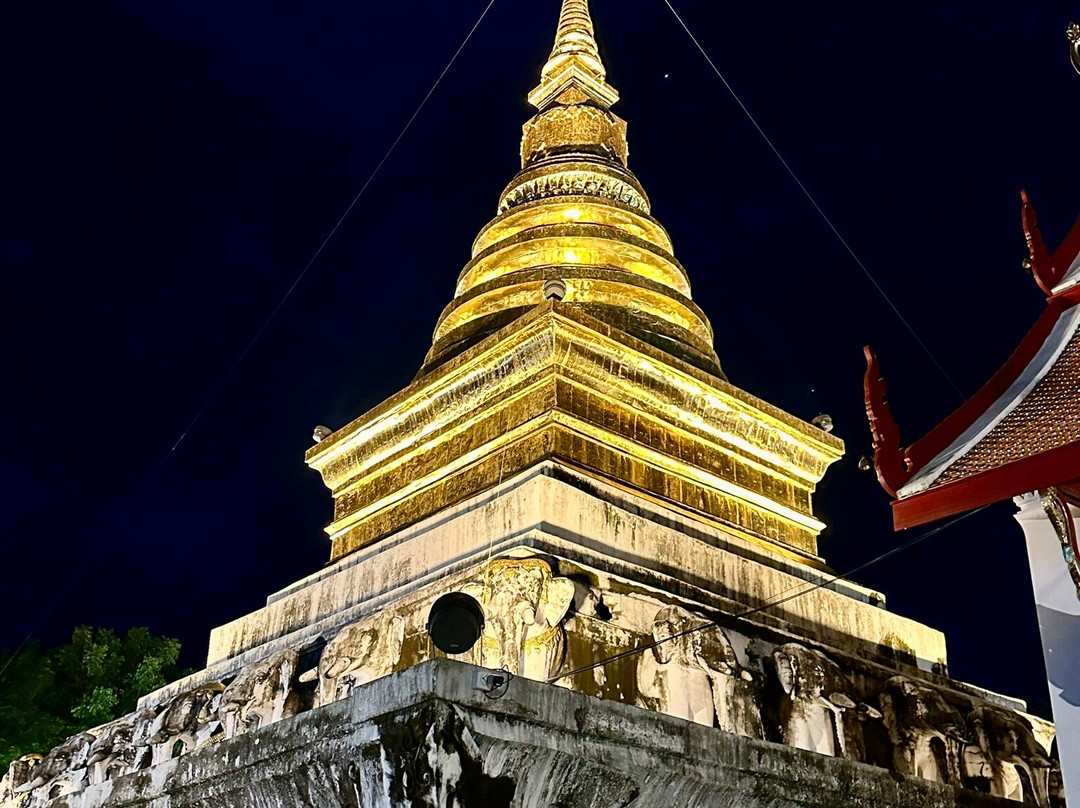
{"type": "Point", "coordinates": [90, 556]}
{"type": "Point", "coordinates": [814, 202]}
{"type": "Point", "coordinates": [786, 596]}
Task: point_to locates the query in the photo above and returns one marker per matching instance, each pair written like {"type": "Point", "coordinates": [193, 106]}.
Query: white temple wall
{"type": "Point", "coordinates": [1058, 603]}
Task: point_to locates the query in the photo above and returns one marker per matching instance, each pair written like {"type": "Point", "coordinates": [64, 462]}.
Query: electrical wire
{"type": "Point", "coordinates": [95, 551]}
{"type": "Point", "coordinates": [814, 202]}
{"type": "Point", "coordinates": [784, 598]}
{"type": "Point", "coordinates": [333, 231]}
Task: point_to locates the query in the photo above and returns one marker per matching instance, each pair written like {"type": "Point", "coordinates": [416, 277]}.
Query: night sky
{"type": "Point", "coordinates": [171, 167]}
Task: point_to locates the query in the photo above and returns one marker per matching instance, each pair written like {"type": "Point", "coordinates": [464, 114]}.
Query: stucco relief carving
{"type": "Point", "coordinates": [358, 654]}
{"type": "Point", "coordinates": [1057, 511]}
{"type": "Point", "coordinates": [261, 694]}
{"type": "Point", "coordinates": [812, 714]}
{"type": "Point", "coordinates": [123, 746]}
{"type": "Point", "coordinates": [187, 722]}
{"type": "Point", "coordinates": [696, 676]}
{"type": "Point", "coordinates": [62, 771]}
{"type": "Point", "coordinates": [865, 737]}
{"type": "Point", "coordinates": [927, 733]}
{"type": "Point", "coordinates": [1055, 784]}
{"type": "Point", "coordinates": [18, 774]}
{"type": "Point", "coordinates": [1004, 759]}
{"type": "Point", "coordinates": [575, 183]}
{"type": "Point", "coordinates": [693, 673]}
{"type": "Point", "coordinates": [524, 608]}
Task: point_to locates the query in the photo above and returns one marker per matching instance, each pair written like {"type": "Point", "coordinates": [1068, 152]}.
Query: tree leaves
{"type": "Point", "coordinates": [47, 696]}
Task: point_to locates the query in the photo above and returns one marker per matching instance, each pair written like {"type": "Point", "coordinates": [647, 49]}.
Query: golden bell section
{"type": "Point", "coordinates": [573, 244]}
{"type": "Point", "coordinates": [571, 210]}
{"type": "Point", "coordinates": [585, 222]}
{"type": "Point", "coordinates": [564, 176]}
{"type": "Point", "coordinates": [559, 385]}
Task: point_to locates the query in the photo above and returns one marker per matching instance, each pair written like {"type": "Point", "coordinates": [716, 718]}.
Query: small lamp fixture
{"type": "Point", "coordinates": [321, 433]}
{"type": "Point", "coordinates": [554, 289]}
{"type": "Point", "coordinates": [455, 622]}
{"type": "Point", "coordinates": [823, 422]}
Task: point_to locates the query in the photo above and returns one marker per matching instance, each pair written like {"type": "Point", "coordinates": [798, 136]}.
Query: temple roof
{"type": "Point", "coordinates": [1020, 432]}
{"type": "Point", "coordinates": [1046, 418]}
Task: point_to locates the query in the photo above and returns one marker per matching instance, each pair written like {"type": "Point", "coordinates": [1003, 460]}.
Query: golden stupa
{"type": "Point", "coordinates": [572, 337]}
{"type": "Point", "coordinates": [574, 501]}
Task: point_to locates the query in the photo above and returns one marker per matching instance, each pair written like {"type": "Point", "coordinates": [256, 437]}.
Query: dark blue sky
{"type": "Point", "coordinates": [170, 167]}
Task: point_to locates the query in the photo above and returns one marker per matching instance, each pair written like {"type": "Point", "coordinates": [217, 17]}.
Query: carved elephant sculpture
{"type": "Point", "coordinates": [188, 721]}
{"type": "Point", "coordinates": [817, 695]}
{"type": "Point", "coordinates": [524, 608]}
{"type": "Point", "coordinates": [358, 654]}
{"type": "Point", "coordinates": [63, 770]}
{"type": "Point", "coordinates": [261, 694]}
{"type": "Point", "coordinates": [1004, 759]}
{"type": "Point", "coordinates": [693, 673]}
{"type": "Point", "coordinates": [927, 733]}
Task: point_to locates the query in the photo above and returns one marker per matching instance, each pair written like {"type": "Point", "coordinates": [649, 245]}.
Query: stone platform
{"type": "Point", "coordinates": [429, 737]}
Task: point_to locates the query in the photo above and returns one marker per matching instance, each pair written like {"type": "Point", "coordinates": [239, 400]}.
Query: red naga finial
{"type": "Point", "coordinates": [1042, 267]}
{"type": "Point", "coordinates": [890, 459]}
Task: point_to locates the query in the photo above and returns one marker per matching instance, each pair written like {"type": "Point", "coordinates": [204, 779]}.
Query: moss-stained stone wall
{"type": "Point", "coordinates": [428, 737]}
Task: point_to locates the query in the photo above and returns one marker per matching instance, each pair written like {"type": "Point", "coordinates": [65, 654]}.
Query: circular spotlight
{"type": "Point", "coordinates": [455, 622]}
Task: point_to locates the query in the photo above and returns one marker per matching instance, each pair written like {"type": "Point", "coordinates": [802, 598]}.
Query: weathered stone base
{"type": "Point", "coordinates": [428, 737]}
{"type": "Point", "coordinates": [555, 511]}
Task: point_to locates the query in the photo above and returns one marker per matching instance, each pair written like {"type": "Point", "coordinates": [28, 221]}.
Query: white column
{"type": "Point", "coordinates": [1058, 605]}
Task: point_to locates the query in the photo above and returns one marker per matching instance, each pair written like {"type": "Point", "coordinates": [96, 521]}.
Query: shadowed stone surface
{"type": "Point", "coordinates": [427, 737]}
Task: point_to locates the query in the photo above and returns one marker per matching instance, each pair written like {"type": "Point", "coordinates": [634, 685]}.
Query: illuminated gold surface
{"type": "Point", "coordinates": [574, 209]}
{"type": "Point", "coordinates": [573, 242]}
{"type": "Point", "coordinates": [576, 213]}
{"type": "Point", "coordinates": [574, 128]}
{"type": "Point", "coordinates": [618, 380]}
{"type": "Point", "coordinates": [557, 384]}
{"type": "Point", "coordinates": [574, 73]}
{"type": "Point", "coordinates": [573, 176]}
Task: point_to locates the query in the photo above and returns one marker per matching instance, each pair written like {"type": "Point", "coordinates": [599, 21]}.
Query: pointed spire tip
{"type": "Point", "coordinates": [575, 61]}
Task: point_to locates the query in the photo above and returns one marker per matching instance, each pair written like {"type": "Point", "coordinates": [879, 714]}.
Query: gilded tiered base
{"type": "Point", "coordinates": [557, 384]}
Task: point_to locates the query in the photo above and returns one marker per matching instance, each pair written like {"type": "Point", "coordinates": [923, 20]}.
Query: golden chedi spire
{"type": "Point", "coordinates": [576, 213]}
{"type": "Point", "coordinates": [574, 63]}
{"type": "Point", "coordinates": [611, 385]}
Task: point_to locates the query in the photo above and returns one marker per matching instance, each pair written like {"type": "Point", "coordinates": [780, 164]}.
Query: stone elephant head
{"type": "Point", "coordinates": [262, 693]}
{"type": "Point", "coordinates": [63, 770]}
{"type": "Point", "coordinates": [926, 732]}
{"type": "Point", "coordinates": [817, 694]}
{"type": "Point", "coordinates": [524, 606]}
{"type": "Point", "coordinates": [360, 653]}
{"type": "Point", "coordinates": [1004, 759]}
{"type": "Point", "coordinates": [186, 722]}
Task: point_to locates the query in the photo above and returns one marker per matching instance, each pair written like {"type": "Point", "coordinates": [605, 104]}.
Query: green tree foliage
{"type": "Point", "coordinates": [49, 695]}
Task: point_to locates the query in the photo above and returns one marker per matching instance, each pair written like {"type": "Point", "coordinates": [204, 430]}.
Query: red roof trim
{"type": "Point", "coordinates": [941, 437]}
{"type": "Point", "coordinates": [1052, 467]}
{"type": "Point", "coordinates": [1049, 270]}
{"type": "Point", "coordinates": [1042, 265]}
{"type": "Point", "coordinates": [889, 458]}
{"type": "Point", "coordinates": [1064, 255]}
